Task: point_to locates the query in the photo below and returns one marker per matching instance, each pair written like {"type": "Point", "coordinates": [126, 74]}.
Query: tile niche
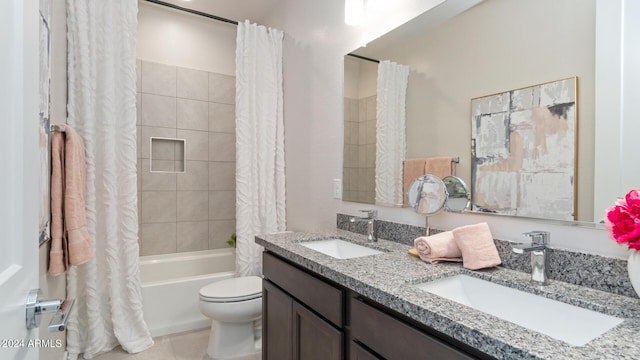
{"type": "Point", "coordinates": [186, 135]}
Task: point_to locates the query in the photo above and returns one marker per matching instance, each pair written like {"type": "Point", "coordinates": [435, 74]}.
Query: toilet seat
{"type": "Point", "coordinates": [232, 290]}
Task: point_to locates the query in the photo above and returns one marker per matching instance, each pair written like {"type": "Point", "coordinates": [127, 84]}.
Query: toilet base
{"type": "Point", "coordinates": [231, 340]}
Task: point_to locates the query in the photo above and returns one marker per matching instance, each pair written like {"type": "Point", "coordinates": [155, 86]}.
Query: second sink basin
{"type": "Point", "coordinates": [571, 324]}
{"type": "Point", "coordinates": [340, 249]}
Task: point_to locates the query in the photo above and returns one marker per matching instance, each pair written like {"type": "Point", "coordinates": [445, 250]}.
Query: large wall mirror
{"type": "Point", "coordinates": [463, 50]}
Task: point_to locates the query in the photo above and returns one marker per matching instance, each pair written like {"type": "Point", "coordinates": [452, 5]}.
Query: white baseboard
{"type": "Point", "coordinates": [178, 328]}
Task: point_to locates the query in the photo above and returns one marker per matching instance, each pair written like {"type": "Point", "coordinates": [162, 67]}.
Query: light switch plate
{"type": "Point", "coordinates": [337, 188]}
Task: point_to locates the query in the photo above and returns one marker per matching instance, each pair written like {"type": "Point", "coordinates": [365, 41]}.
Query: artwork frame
{"type": "Point", "coordinates": [524, 151]}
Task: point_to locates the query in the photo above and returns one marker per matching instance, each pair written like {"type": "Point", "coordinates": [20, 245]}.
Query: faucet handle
{"type": "Point", "coordinates": [538, 237]}
{"type": "Point", "coordinates": [371, 214]}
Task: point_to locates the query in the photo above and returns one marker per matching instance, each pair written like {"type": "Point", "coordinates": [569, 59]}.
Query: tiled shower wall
{"type": "Point", "coordinates": [358, 178]}
{"type": "Point", "coordinates": [194, 210]}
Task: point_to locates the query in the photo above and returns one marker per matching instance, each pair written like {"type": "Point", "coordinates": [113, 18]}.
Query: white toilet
{"type": "Point", "coordinates": [233, 305]}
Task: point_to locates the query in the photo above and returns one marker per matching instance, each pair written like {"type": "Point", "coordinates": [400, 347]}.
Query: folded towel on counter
{"type": "Point", "coordinates": [412, 168]}
{"type": "Point", "coordinates": [440, 166]}
{"type": "Point", "coordinates": [477, 246]}
{"type": "Point", "coordinates": [71, 243]}
{"type": "Point", "coordinates": [438, 247]}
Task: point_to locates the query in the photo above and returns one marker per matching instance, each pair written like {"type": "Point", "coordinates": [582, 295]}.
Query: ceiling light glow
{"type": "Point", "coordinates": [353, 12]}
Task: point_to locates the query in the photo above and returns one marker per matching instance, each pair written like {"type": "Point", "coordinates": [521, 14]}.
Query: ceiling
{"type": "Point", "coordinates": [238, 10]}
{"type": "Point", "coordinates": [418, 26]}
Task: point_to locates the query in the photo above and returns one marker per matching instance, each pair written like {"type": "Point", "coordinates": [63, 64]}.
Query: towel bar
{"type": "Point", "coordinates": [58, 128]}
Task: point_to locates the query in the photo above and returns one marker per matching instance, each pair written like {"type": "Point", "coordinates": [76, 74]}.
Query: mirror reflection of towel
{"type": "Point", "coordinates": [423, 205]}
{"type": "Point", "coordinates": [440, 166]}
{"type": "Point", "coordinates": [412, 168]}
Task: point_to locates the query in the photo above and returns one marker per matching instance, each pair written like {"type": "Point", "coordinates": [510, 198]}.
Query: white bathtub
{"type": "Point", "coordinates": [171, 285]}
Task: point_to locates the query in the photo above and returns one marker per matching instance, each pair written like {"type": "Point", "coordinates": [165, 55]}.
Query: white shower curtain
{"type": "Point", "coordinates": [101, 107]}
{"type": "Point", "coordinates": [391, 144]}
{"type": "Point", "coordinates": [260, 183]}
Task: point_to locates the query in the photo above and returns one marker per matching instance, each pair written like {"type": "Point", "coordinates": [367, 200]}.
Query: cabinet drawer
{"type": "Point", "coordinates": [394, 339]}
{"type": "Point", "coordinates": [318, 295]}
{"type": "Point", "coordinates": [357, 352]}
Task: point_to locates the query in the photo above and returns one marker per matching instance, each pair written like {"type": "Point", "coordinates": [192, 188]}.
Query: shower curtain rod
{"type": "Point", "coordinates": [364, 58]}
{"type": "Point", "coordinates": [195, 12]}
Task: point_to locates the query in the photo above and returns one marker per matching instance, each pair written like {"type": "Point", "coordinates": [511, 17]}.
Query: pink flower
{"type": "Point", "coordinates": [623, 220]}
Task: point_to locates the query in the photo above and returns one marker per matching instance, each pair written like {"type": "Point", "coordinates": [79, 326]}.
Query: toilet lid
{"type": "Point", "coordinates": [235, 289]}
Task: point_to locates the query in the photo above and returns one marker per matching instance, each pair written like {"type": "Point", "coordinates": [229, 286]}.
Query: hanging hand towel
{"type": "Point", "coordinates": [75, 216]}
{"type": "Point", "coordinates": [70, 240]}
{"type": "Point", "coordinates": [58, 262]}
{"type": "Point", "coordinates": [438, 247]}
{"type": "Point", "coordinates": [440, 166]}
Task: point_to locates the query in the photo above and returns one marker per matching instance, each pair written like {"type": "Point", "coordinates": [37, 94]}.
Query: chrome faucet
{"type": "Point", "coordinates": [538, 250]}
{"type": "Point", "coordinates": [370, 219]}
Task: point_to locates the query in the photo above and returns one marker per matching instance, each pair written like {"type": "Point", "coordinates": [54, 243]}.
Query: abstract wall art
{"type": "Point", "coordinates": [523, 151]}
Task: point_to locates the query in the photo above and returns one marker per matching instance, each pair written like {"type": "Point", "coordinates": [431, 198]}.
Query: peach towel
{"type": "Point", "coordinates": [438, 247]}
{"type": "Point", "coordinates": [70, 240]}
{"type": "Point", "coordinates": [477, 246]}
{"type": "Point", "coordinates": [440, 166]}
{"type": "Point", "coordinates": [412, 168]}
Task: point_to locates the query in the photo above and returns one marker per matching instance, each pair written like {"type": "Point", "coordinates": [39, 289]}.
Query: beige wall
{"type": "Point", "coordinates": [176, 38]}
{"type": "Point", "coordinates": [54, 287]}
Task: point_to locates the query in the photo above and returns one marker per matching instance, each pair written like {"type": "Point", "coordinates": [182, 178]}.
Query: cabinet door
{"type": "Point", "coordinates": [276, 323]}
{"type": "Point", "coordinates": [357, 352]}
{"type": "Point", "coordinates": [314, 338]}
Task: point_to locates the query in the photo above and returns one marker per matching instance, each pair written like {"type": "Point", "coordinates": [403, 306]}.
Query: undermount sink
{"type": "Point", "coordinates": [340, 249]}
{"type": "Point", "coordinates": [571, 324]}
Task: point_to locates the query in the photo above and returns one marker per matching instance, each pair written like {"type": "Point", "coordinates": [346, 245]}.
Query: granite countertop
{"type": "Point", "coordinates": [388, 279]}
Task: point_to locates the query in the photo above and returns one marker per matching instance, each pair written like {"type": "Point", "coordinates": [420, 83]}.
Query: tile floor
{"type": "Point", "coordinates": [190, 345]}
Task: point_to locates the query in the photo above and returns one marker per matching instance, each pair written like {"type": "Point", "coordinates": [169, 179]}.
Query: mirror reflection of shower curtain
{"type": "Point", "coordinates": [260, 181]}
{"type": "Point", "coordinates": [102, 109]}
{"type": "Point", "coordinates": [391, 144]}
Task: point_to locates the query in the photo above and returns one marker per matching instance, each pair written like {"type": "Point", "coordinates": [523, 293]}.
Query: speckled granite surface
{"type": "Point", "coordinates": [401, 233]}
{"type": "Point", "coordinates": [597, 272]}
{"type": "Point", "coordinates": [389, 279]}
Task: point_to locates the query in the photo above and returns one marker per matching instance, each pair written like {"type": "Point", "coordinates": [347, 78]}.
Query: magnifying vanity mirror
{"type": "Point", "coordinates": [427, 195]}
{"type": "Point", "coordinates": [465, 49]}
{"type": "Point", "coordinates": [458, 198]}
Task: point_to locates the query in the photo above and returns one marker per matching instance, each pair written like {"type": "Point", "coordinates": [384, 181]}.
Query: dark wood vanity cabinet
{"type": "Point", "coordinates": [306, 317]}
{"type": "Point", "coordinates": [302, 316]}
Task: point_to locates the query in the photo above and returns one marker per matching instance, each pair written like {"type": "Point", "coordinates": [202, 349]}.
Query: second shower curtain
{"type": "Point", "coordinates": [101, 107]}
{"type": "Point", "coordinates": [391, 143]}
{"type": "Point", "coordinates": [260, 180]}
